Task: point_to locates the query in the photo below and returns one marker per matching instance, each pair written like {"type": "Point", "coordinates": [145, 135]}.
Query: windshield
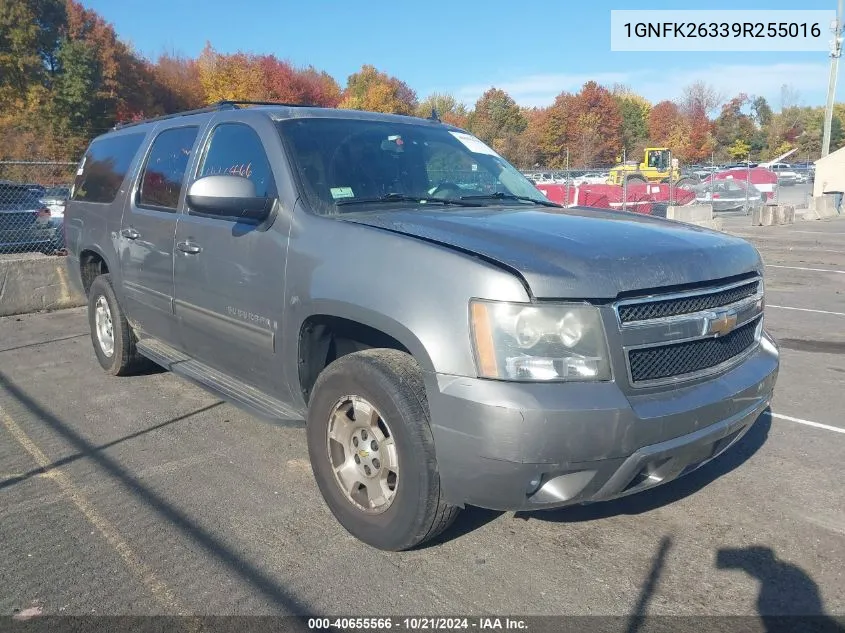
{"type": "Point", "coordinates": [344, 165]}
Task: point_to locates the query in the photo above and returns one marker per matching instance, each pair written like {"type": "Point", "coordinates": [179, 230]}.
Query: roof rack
{"type": "Point", "coordinates": [214, 107]}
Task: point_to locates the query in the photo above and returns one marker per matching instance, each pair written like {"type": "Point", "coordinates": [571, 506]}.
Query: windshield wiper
{"type": "Point", "coordinates": [509, 196]}
{"type": "Point", "coordinates": [401, 197]}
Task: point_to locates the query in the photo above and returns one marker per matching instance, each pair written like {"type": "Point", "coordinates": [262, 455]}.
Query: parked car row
{"type": "Point", "coordinates": [31, 217]}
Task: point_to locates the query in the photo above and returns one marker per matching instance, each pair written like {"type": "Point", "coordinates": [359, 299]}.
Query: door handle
{"type": "Point", "coordinates": [130, 234]}
{"type": "Point", "coordinates": [188, 247]}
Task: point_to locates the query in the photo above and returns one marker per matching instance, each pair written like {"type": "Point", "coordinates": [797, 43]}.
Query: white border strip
{"type": "Point", "coordinates": [815, 270]}
{"type": "Point", "coordinates": [818, 425]}
{"type": "Point", "coordinates": [770, 305]}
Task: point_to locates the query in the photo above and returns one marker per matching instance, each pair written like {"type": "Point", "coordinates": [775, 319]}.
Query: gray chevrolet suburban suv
{"type": "Point", "coordinates": [449, 335]}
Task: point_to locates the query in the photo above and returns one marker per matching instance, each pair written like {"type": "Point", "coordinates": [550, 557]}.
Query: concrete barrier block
{"type": "Point", "coordinates": [785, 214]}
{"type": "Point", "coordinates": [36, 282]}
{"type": "Point", "coordinates": [824, 206]}
{"type": "Point", "coordinates": [691, 213]}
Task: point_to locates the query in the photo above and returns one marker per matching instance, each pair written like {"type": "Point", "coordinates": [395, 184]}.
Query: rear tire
{"type": "Point", "coordinates": [636, 180]}
{"type": "Point", "coordinates": [379, 392]}
{"type": "Point", "coordinates": [111, 334]}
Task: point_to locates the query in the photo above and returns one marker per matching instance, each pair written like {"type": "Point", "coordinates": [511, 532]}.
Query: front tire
{"type": "Point", "coordinates": [111, 334]}
{"type": "Point", "coordinates": [372, 451]}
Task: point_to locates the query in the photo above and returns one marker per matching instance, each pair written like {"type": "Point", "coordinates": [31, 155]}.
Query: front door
{"type": "Point", "coordinates": [147, 231]}
{"type": "Point", "coordinates": [229, 275]}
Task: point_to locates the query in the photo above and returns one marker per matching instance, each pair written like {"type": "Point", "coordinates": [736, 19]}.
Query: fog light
{"type": "Point", "coordinates": [533, 485]}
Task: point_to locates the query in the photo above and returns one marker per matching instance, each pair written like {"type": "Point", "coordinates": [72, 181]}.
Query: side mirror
{"type": "Point", "coordinates": [228, 196]}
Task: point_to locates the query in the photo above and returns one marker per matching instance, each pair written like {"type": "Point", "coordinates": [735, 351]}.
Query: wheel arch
{"type": "Point", "coordinates": [331, 330]}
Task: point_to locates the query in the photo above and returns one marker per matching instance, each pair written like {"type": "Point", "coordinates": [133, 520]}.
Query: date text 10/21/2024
{"type": "Point", "coordinates": [418, 623]}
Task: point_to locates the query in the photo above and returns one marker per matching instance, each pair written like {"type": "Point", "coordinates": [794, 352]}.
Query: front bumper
{"type": "Point", "coordinates": [512, 446]}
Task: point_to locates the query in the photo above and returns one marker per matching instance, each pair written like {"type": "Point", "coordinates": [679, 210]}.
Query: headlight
{"type": "Point", "coordinates": [516, 341]}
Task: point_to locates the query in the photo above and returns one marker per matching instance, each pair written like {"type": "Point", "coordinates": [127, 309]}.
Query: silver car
{"type": "Point", "coordinates": [447, 345]}
{"type": "Point", "coordinates": [729, 195]}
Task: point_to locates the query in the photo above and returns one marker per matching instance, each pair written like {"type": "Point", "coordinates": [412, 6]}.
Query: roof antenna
{"type": "Point", "coordinates": [434, 116]}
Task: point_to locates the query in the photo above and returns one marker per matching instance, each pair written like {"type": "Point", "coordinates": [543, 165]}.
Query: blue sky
{"type": "Point", "coordinates": [534, 50]}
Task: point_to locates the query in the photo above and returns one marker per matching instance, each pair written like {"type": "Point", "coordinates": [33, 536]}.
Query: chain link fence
{"type": "Point", "coordinates": [33, 195]}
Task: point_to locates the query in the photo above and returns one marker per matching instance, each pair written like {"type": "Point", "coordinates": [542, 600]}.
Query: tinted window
{"type": "Point", "coordinates": [161, 182]}
{"type": "Point", "coordinates": [344, 161]}
{"type": "Point", "coordinates": [236, 149]}
{"type": "Point", "coordinates": [104, 167]}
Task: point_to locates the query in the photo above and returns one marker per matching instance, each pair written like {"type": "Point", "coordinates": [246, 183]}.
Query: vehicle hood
{"type": "Point", "coordinates": [578, 253]}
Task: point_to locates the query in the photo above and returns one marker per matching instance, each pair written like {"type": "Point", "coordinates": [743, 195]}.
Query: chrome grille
{"type": "Point", "coordinates": [661, 308]}
{"type": "Point", "coordinates": [689, 357]}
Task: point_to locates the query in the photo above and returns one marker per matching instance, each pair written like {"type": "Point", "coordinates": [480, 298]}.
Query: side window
{"type": "Point", "coordinates": [236, 149]}
{"type": "Point", "coordinates": [104, 167]}
{"type": "Point", "coordinates": [161, 181]}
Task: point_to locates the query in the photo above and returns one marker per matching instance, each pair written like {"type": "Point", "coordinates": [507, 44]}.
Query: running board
{"type": "Point", "coordinates": [230, 389]}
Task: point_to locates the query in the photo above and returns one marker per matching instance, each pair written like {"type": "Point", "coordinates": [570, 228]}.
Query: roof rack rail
{"type": "Point", "coordinates": [214, 107]}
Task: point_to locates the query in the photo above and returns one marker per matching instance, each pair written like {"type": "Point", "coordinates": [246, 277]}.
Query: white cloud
{"type": "Point", "coordinates": [810, 80]}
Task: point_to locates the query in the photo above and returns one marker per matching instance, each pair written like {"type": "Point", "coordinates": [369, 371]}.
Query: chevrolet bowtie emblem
{"type": "Point", "coordinates": [721, 323]}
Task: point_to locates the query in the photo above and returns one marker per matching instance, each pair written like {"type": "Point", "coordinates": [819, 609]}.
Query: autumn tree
{"type": "Point", "coordinates": [125, 89]}
{"type": "Point", "coordinates": [554, 131]}
{"type": "Point", "coordinates": [498, 121]}
{"type": "Point", "coordinates": [664, 120]}
{"type": "Point", "coordinates": [449, 109]}
{"type": "Point", "coordinates": [734, 125]}
{"type": "Point", "coordinates": [229, 77]}
{"type": "Point", "coordinates": [370, 89]}
{"type": "Point", "coordinates": [597, 126]}
{"type": "Point", "coordinates": [283, 82]}
{"type": "Point", "coordinates": [527, 150]}
{"type": "Point", "coordinates": [178, 83]}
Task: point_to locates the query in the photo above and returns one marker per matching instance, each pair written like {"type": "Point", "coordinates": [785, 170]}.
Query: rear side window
{"type": "Point", "coordinates": [164, 171]}
{"type": "Point", "coordinates": [236, 149]}
{"type": "Point", "coordinates": [104, 167]}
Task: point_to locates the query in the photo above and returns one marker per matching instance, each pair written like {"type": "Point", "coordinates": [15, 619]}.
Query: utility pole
{"type": "Point", "coordinates": [835, 54]}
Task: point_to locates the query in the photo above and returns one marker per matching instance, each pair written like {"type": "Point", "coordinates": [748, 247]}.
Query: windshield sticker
{"type": "Point", "coordinates": [473, 144]}
{"type": "Point", "coordinates": [342, 192]}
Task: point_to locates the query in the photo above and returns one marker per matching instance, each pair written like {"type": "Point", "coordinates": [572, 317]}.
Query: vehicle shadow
{"type": "Point", "coordinates": [236, 565]}
{"type": "Point", "coordinates": [789, 599]}
{"type": "Point", "coordinates": [64, 461]}
{"type": "Point", "coordinates": [670, 492]}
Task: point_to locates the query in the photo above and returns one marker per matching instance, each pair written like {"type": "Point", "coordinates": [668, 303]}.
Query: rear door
{"type": "Point", "coordinates": [229, 275]}
{"type": "Point", "coordinates": [148, 228]}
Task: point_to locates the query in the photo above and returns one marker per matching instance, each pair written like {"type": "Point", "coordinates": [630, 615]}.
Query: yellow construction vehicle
{"type": "Point", "coordinates": [654, 168]}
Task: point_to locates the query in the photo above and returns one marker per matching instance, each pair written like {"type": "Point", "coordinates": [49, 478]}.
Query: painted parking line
{"type": "Point", "coordinates": [816, 425]}
{"type": "Point", "coordinates": [815, 270]}
{"type": "Point", "coordinates": [133, 562]}
{"type": "Point", "coordinates": [818, 232]}
{"type": "Point", "coordinates": [769, 305]}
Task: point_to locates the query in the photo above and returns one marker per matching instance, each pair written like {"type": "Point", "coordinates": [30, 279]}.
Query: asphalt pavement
{"type": "Point", "coordinates": [147, 495]}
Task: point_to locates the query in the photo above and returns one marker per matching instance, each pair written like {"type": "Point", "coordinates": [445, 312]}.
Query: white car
{"type": "Point", "coordinates": [786, 175]}
{"type": "Point", "coordinates": [593, 178]}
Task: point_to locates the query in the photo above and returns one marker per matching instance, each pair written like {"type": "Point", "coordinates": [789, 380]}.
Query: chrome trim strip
{"type": "Point", "coordinates": [703, 373]}
{"type": "Point", "coordinates": [667, 343]}
{"type": "Point", "coordinates": [658, 298]}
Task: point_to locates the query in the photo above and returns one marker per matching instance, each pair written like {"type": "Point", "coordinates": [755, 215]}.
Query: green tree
{"type": "Point", "coordinates": [761, 111]}
{"type": "Point", "coordinates": [77, 111]}
{"type": "Point", "coordinates": [733, 124]}
{"type": "Point", "coordinates": [29, 37]}
{"type": "Point", "coordinates": [635, 111]}
{"type": "Point", "coordinates": [496, 116]}
{"type": "Point", "coordinates": [739, 149]}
